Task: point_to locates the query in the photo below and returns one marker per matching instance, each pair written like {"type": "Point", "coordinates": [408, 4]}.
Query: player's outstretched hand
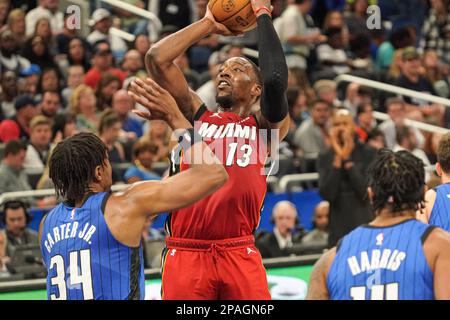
{"type": "Point", "coordinates": [159, 103]}
{"type": "Point", "coordinates": [219, 28]}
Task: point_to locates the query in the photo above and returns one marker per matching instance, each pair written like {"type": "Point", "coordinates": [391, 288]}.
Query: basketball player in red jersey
{"type": "Point", "coordinates": [210, 251]}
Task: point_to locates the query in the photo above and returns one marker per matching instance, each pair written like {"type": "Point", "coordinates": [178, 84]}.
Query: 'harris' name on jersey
{"type": "Point", "coordinates": [379, 259]}
{"type": "Point", "coordinates": [68, 231]}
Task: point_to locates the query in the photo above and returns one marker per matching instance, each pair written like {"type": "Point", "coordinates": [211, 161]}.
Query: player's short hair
{"type": "Point", "coordinates": [397, 180]}
{"type": "Point", "coordinates": [73, 163]}
{"type": "Point", "coordinates": [443, 153]}
{"type": "Point", "coordinates": [256, 71]}
{"type": "Point", "coordinates": [14, 147]}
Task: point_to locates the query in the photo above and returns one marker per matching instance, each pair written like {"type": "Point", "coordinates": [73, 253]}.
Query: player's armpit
{"type": "Point", "coordinates": [282, 126]}
{"type": "Point", "coordinates": [440, 241]}
{"type": "Point", "coordinates": [318, 284]}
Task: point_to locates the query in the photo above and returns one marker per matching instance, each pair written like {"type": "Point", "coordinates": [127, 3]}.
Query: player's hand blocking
{"type": "Point", "coordinates": [160, 104]}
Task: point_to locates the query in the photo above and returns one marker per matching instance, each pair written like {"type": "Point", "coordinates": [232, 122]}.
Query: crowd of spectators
{"type": "Point", "coordinates": [56, 80]}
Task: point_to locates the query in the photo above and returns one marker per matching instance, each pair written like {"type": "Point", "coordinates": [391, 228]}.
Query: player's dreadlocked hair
{"type": "Point", "coordinates": [397, 180]}
{"type": "Point", "coordinates": [73, 163]}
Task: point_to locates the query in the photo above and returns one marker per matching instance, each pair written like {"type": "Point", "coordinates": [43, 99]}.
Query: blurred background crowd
{"type": "Point", "coordinates": [57, 79]}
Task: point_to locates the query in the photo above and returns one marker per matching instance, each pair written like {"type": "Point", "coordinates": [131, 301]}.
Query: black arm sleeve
{"type": "Point", "coordinates": [274, 71]}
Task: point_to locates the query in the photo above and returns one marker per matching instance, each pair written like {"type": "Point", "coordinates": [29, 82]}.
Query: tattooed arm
{"type": "Point", "coordinates": [318, 283]}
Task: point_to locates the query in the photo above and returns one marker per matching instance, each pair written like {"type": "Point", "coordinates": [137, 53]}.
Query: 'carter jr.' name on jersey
{"type": "Point", "coordinates": [67, 231]}
{"type": "Point", "coordinates": [379, 259]}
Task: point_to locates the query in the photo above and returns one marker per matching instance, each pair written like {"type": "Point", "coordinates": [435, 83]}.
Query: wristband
{"type": "Point", "coordinates": [263, 8]}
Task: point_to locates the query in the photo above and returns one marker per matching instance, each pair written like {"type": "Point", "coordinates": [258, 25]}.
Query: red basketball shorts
{"type": "Point", "coordinates": [229, 269]}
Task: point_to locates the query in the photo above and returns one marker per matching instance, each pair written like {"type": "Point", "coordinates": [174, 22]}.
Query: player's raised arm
{"type": "Point", "coordinates": [272, 62]}
{"type": "Point", "coordinates": [159, 61]}
{"type": "Point", "coordinates": [206, 173]}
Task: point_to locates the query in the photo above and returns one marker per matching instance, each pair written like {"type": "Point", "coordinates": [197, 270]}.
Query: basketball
{"type": "Point", "coordinates": [236, 15]}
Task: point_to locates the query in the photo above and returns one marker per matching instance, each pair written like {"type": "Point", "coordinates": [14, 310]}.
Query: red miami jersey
{"type": "Point", "coordinates": [235, 209]}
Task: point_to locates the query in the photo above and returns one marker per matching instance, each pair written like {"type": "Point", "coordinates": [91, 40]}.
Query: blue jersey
{"type": "Point", "coordinates": [84, 260]}
{"type": "Point", "coordinates": [440, 215]}
{"type": "Point", "coordinates": [382, 263]}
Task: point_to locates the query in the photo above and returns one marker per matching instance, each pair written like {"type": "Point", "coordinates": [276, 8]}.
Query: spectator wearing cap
{"type": "Point", "coordinates": [207, 92]}
{"type": "Point", "coordinates": [12, 174]}
{"type": "Point", "coordinates": [30, 80]}
{"type": "Point", "coordinates": [39, 146]}
{"type": "Point", "coordinates": [101, 22]}
{"type": "Point", "coordinates": [411, 75]}
{"type": "Point", "coordinates": [8, 95]}
{"type": "Point", "coordinates": [18, 127]}
{"type": "Point", "coordinates": [411, 78]}
{"type": "Point", "coordinates": [102, 63]}
{"type": "Point", "coordinates": [46, 9]}
{"type": "Point", "coordinates": [9, 53]}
